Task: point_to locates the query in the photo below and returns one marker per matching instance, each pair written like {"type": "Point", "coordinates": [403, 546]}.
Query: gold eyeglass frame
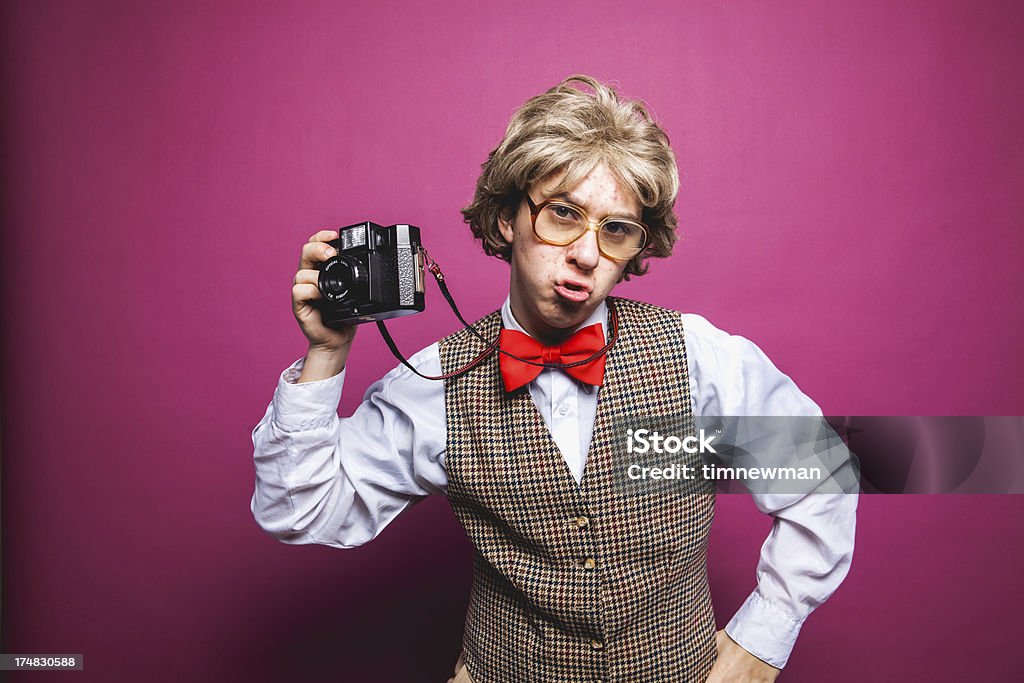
{"type": "Point", "coordinates": [535, 210]}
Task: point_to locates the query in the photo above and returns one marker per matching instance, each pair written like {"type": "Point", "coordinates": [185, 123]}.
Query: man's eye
{"type": "Point", "coordinates": [617, 229]}
{"type": "Point", "coordinates": [563, 211]}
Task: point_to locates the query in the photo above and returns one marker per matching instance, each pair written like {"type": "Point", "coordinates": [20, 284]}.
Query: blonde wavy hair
{"type": "Point", "coordinates": [572, 130]}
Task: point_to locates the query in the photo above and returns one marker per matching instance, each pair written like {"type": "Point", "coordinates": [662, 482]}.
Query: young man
{"type": "Point", "coordinates": [575, 578]}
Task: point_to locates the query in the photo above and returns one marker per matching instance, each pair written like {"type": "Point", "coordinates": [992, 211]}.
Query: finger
{"type": "Point", "coordinates": [324, 236]}
{"type": "Point", "coordinates": [314, 253]}
{"type": "Point", "coordinates": [307, 277]}
{"type": "Point", "coordinates": [304, 293]}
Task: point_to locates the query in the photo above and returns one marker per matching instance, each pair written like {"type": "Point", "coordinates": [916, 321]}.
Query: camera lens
{"type": "Point", "coordinates": [341, 277]}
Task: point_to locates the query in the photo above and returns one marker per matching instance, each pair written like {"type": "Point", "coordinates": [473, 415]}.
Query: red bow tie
{"type": "Point", "coordinates": [580, 346]}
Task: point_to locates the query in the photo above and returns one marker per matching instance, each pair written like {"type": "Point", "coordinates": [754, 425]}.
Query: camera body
{"type": "Point", "coordinates": [377, 274]}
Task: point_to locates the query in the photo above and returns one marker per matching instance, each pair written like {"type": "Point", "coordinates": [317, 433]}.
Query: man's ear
{"type": "Point", "coordinates": [505, 219]}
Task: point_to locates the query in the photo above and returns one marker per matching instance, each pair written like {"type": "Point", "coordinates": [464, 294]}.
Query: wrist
{"type": "Point", "coordinates": [323, 363]}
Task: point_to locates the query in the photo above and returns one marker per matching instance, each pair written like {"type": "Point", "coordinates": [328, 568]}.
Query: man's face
{"type": "Point", "coordinates": [553, 289]}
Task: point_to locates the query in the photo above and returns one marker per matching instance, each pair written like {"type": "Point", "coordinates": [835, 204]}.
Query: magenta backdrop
{"type": "Point", "coordinates": [852, 200]}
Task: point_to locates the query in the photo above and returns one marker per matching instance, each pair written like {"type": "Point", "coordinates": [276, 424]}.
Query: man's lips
{"type": "Point", "coordinates": [573, 290]}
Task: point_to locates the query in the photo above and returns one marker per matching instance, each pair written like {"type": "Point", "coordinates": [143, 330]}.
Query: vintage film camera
{"type": "Point", "coordinates": [377, 274]}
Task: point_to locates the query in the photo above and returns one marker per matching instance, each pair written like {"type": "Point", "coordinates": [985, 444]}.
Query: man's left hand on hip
{"type": "Point", "coordinates": [736, 665]}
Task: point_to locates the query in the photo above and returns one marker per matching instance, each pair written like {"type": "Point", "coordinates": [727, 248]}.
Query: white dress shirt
{"type": "Point", "coordinates": [340, 481]}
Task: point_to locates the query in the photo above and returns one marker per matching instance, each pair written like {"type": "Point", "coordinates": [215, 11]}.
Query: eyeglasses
{"type": "Point", "coordinates": [561, 223]}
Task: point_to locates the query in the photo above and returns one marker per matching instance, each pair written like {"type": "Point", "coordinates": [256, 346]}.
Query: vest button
{"type": "Point", "coordinates": [597, 644]}
{"type": "Point", "coordinates": [589, 563]}
{"type": "Point", "coordinates": [582, 522]}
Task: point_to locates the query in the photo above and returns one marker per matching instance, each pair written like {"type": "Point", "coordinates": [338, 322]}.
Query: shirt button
{"type": "Point", "coordinates": [563, 409]}
{"type": "Point", "coordinates": [589, 563]}
{"type": "Point", "coordinates": [596, 644]}
{"type": "Point", "coordinates": [582, 522]}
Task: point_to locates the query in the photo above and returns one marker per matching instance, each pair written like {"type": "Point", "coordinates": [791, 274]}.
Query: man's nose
{"type": "Point", "coordinates": [584, 252]}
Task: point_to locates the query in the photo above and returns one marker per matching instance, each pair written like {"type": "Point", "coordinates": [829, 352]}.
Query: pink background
{"type": "Point", "coordinates": [852, 201]}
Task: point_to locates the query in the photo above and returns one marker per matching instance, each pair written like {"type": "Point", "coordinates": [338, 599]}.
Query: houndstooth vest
{"type": "Point", "coordinates": [588, 582]}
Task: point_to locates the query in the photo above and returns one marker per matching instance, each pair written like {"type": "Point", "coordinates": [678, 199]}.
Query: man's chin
{"type": "Point", "coordinates": [570, 314]}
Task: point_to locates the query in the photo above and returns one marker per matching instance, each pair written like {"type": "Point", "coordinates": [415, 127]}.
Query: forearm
{"type": "Point", "coordinates": [302, 495]}
{"type": "Point", "coordinates": [803, 561]}
{"type": "Point", "coordinates": [339, 482]}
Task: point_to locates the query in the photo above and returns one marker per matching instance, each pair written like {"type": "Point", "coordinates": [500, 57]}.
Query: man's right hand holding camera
{"type": "Point", "coordinates": [328, 348]}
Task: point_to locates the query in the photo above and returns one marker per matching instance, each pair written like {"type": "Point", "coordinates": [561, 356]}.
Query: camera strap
{"type": "Point", "coordinates": [490, 346]}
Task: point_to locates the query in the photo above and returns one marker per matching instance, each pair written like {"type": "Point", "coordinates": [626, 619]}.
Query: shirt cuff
{"type": "Point", "coordinates": [764, 630]}
{"type": "Point", "coordinates": [310, 405]}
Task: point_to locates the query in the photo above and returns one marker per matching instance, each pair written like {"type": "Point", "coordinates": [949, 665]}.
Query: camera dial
{"type": "Point", "coordinates": [340, 275]}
